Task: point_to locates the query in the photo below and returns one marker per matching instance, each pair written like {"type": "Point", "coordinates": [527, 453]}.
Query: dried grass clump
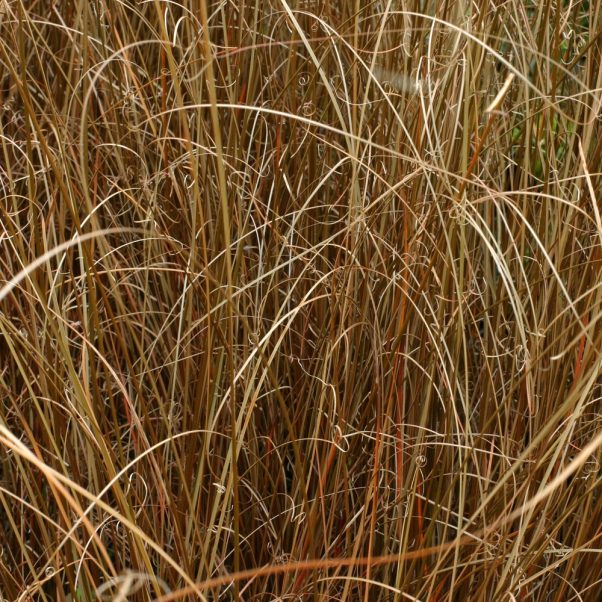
{"type": "Point", "coordinates": [300, 300]}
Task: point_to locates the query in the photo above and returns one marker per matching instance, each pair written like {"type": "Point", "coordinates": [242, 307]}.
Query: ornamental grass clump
{"type": "Point", "coordinates": [300, 300]}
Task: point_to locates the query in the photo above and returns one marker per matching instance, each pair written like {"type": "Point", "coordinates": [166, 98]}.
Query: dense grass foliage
{"type": "Point", "coordinates": [300, 300]}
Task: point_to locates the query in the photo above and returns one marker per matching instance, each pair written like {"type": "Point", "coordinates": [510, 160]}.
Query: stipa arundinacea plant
{"type": "Point", "coordinates": [300, 300]}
